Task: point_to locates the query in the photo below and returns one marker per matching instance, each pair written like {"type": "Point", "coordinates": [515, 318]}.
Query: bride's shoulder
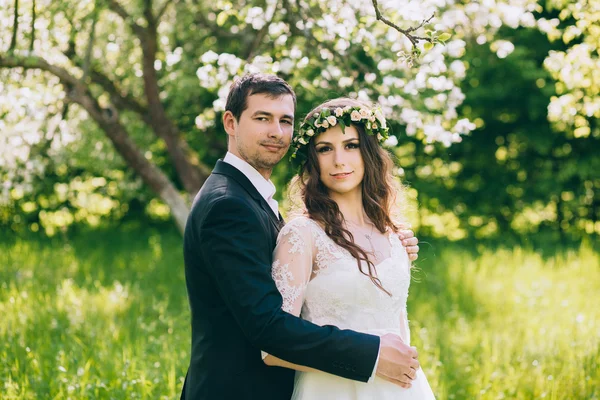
{"type": "Point", "coordinates": [300, 220]}
{"type": "Point", "coordinates": [300, 224]}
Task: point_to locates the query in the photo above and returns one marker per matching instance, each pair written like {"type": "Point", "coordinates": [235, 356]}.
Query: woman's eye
{"type": "Point", "coordinates": [353, 145]}
{"type": "Point", "coordinates": [323, 149]}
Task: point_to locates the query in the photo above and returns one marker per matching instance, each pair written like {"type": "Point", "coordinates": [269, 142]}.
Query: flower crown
{"type": "Point", "coordinates": [371, 118]}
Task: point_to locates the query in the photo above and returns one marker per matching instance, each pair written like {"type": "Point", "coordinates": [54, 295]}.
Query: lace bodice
{"type": "Point", "coordinates": [321, 282]}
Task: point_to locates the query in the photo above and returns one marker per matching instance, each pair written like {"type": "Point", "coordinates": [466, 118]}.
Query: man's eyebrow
{"type": "Point", "coordinates": [345, 141]}
{"type": "Point", "coordinates": [268, 114]}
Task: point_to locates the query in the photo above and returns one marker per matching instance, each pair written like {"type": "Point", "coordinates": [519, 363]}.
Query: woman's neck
{"type": "Point", "coordinates": [351, 207]}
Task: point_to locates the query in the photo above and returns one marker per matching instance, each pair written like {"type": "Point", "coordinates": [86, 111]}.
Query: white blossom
{"type": "Point", "coordinates": [391, 141]}
{"type": "Point", "coordinates": [502, 48]}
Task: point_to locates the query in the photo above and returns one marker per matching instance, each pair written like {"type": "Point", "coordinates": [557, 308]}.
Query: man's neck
{"type": "Point", "coordinates": [265, 173]}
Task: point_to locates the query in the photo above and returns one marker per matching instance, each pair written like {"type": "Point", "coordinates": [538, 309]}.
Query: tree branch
{"type": "Point", "coordinates": [116, 7]}
{"type": "Point", "coordinates": [406, 32]}
{"type": "Point", "coordinates": [260, 35]}
{"type": "Point", "coordinates": [309, 37]}
{"type": "Point", "coordinates": [119, 97]}
{"type": "Point", "coordinates": [13, 39]}
{"type": "Point", "coordinates": [215, 30]}
{"type": "Point", "coordinates": [35, 62]}
{"type": "Point", "coordinates": [148, 13]}
{"type": "Point", "coordinates": [90, 46]}
{"type": "Point", "coordinates": [164, 8]}
{"type": "Point", "coordinates": [127, 101]}
{"type": "Point", "coordinates": [71, 50]}
{"type": "Point", "coordinates": [33, 15]}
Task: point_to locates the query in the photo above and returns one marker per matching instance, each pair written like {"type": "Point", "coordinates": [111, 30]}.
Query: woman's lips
{"type": "Point", "coordinates": [341, 175]}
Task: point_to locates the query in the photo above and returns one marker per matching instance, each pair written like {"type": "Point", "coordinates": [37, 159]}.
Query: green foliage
{"type": "Point", "coordinates": [515, 175]}
{"type": "Point", "coordinates": [104, 314]}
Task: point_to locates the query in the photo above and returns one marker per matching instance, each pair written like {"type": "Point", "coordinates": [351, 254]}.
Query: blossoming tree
{"type": "Point", "coordinates": [147, 80]}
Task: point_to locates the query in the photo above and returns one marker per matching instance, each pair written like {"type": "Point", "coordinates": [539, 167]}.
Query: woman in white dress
{"type": "Point", "coordinates": [342, 262]}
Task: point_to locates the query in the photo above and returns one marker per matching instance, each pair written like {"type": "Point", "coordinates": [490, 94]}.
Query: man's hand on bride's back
{"type": "Point", "coordinates": [397, 361]}
{"type": "Point", "coordinates": [411, 243]}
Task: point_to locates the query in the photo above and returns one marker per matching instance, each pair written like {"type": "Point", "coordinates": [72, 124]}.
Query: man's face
{"type": "Point", "coordinates": [264, 131]}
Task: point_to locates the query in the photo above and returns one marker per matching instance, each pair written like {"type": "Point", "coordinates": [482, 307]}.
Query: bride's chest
{"type": "Point", "coordinates": [338, 280]}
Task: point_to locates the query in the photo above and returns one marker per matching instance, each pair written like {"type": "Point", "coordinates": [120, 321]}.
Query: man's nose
{"type": "Point", "coordinates": [276, 129]}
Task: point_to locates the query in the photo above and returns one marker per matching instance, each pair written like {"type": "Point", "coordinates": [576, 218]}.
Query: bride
{"type": "Point", "coordinates": [342, 263]}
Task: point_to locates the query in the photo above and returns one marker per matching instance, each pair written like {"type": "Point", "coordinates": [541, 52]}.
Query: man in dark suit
{"type": "Point", "coordinates": [228, 244]}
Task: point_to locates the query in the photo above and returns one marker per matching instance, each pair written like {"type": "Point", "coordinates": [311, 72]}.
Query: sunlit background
{"type": "Point", "coordinates": [110, 122]}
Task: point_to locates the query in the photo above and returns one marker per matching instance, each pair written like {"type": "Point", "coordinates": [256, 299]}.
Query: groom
{"type": "Point", "coordinates": [228, 244]}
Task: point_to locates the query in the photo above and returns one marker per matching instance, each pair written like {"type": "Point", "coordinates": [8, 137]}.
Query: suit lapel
{"type": "Point", "coordinates": [224, 168]}
{"type": "Point", "coordinates": [281, 221]}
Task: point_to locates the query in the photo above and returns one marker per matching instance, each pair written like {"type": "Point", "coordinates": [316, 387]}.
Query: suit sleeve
{"type": "Point", "coordinates": [237, 254]}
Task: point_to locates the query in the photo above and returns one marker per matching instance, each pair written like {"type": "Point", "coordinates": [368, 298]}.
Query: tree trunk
{"type": "Point", "coordinates": [108, 120]}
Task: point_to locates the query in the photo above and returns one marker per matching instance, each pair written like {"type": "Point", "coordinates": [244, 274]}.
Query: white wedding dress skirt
{"type": "Point", "coordinates": [320, 281]}
{"type": "Point", "coordinates": [319, 385]}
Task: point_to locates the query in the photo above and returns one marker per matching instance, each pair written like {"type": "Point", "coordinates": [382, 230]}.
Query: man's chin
{"type": "Point", "coordinates": [272, 159]}
{"type": "Point", "coordinates": [266, 162]}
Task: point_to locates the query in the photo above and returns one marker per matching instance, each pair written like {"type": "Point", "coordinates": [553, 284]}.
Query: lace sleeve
{"type": "Point", "coordinates": [292, 265]}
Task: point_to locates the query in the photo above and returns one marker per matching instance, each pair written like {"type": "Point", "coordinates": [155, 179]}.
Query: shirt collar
{"type": "Point", "coordinates": [265, 187]}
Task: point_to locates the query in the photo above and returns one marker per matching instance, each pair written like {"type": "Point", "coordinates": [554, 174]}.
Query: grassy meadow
{"type": "Point", "coordinates": [104, 315]}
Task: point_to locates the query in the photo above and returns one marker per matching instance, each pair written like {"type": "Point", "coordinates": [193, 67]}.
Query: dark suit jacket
{"type": "Point", "coordinates": [236, 308]}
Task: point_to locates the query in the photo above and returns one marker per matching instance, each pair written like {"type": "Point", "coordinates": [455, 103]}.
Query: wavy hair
{"type": "Point", "coordinates": [379, 192]}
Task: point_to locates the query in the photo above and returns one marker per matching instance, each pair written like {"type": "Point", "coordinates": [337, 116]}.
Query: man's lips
{"type": "Point", "coordinates": [273, 147]}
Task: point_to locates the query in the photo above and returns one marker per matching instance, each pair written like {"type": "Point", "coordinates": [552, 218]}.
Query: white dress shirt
{"type": "Point", "coordinates": [265, 187]}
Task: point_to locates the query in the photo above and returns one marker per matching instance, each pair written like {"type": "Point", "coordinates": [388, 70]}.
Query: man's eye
{"type": "Point", "coordinates": [262, 118]}
{"type": "Point", "coordinates": [285, 121]}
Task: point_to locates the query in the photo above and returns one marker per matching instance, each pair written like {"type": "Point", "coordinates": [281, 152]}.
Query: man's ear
{"type": "Point", "coordinates": [229, 123]}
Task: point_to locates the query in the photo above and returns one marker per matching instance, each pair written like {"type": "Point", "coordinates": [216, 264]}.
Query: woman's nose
{"type": "Point", "coordinates": [338, 158]}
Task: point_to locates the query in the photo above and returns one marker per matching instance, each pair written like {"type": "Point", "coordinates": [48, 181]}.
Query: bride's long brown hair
{"type": "Point", "coordinates": [378, 192]}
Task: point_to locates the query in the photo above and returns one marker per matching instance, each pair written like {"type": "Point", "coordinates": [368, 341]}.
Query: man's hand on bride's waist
{"type": "Point", "coordinates": [397, 361]}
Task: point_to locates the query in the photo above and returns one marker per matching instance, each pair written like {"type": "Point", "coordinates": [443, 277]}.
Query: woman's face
{"type": "Point", "coordinates": [340, 160]}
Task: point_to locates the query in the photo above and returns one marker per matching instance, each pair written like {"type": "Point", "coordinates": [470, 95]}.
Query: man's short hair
{"type": "Point", "coordinates": [241, 88]}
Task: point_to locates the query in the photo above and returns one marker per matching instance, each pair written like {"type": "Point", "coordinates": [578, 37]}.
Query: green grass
{"type": "Point", "coordinates": [104, 315]}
